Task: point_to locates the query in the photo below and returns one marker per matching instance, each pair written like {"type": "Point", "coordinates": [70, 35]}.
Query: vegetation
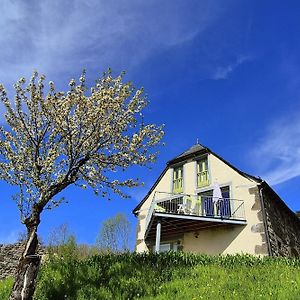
{"type": "Point", "coordinates": [78, 272]}
{"type": "Point", "coordinates": [53, 139]}
{"type": "Point", "coordinates": [163, 276]}
{"type": "Point", "coordinates": [168, 276]}
{"type": "Point", "coordinates": [266, 281]}
{"type": "Point", "coordinates": [5, 288]}
{"type": "Point", "coordinates": [114, 234]}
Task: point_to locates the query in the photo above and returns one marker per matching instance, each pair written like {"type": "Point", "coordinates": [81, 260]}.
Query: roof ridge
{"type": "Point", "coordinates": [193, 149]}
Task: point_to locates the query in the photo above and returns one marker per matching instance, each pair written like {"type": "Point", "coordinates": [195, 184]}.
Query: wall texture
{"type": "Point", "coordinates": [9, 258]}
{"type": "Point", "coordinates": [261, 248]}
{"type": "Point", "coordinates": [283, 226]}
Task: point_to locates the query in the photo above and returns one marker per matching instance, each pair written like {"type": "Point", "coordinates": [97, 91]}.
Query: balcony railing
{"type": "Point", "coordinates": [225, 208]}
{"type": "Point", "coordinates": [202, 179]}
{"type": "Point", "coordinates": [197, 206]}
{"type": "Point", "coordinates": [178, 185]}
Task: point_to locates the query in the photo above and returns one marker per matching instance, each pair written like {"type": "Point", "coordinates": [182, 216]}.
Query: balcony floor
{"type": "Point", "coordinates": [173, 225]}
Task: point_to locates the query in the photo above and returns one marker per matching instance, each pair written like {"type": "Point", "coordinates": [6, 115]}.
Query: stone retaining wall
{"type": "Point", "coordinates": [9, 258]}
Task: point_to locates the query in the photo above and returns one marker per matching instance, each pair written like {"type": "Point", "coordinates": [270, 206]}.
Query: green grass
{"type": "Point", "coordinates": [166, 276]}
{"type": "Point", "coordinates": [170, 276]}
{"type": "Point", "coordinates": [216, 282]}
{"type": "Point", "coordinates": [5, 288]}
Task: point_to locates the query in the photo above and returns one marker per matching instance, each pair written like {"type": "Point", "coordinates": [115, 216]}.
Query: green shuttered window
{"type": "Point", "coordinates": [178, 180]}
{"type": "Point", "coordinates": [202, 173]}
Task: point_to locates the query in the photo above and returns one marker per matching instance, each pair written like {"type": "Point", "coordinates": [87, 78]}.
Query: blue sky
{"type": "Point", "coordinates": [226, 72]}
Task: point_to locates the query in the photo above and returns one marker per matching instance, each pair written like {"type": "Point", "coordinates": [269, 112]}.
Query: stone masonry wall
{"type": "Point", "coordinates": [9, 258]}
{"type": "Point", "coordinates": [259, 228]}
{"type": "Point", "coordinates": [282, 224]}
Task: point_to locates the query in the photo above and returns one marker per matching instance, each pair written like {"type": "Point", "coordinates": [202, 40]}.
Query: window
{"type": "Point", "coordinates": [169, 246]}
{"type": "Point", "coordinates": [164, 247]}
{"type": "Point", "coordinates": [178, 180]}
{"type": "Point", "coordinates": [202, 173]}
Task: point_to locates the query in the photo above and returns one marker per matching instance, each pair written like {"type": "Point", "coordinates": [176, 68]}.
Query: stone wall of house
{"type": "Point", "coordinates": [9, 258]}
{"type": "Point", "coordinates": [259, 228]}
{"type": "Point", "coordinates": [282, 224]}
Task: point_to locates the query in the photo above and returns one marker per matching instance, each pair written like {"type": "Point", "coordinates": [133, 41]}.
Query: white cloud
{"type": "Point", "coordinates": [224, 71]}
{"type": "Point", "coordinates": [60, 38]}
{"type": "Point", "coordinates": [278, 152]}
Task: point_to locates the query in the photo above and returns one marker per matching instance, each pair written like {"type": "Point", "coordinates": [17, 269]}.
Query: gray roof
{"type": "Point", "coordinates": [193, 150]}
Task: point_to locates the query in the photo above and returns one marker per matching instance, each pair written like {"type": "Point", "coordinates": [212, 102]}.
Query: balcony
{"type": "Point", "coordinates": [181, 213]}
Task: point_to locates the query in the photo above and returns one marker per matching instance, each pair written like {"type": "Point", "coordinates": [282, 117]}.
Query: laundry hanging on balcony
{"type": "Point", "coordinates": [221, 202]}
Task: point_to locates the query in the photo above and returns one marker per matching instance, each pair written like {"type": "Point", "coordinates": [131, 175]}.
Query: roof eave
{"type": "Point", "coordinates": [136, 209]}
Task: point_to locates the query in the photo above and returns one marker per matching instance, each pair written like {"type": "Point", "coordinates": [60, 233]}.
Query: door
{"type": "Point", "coordinates": [220, 208]}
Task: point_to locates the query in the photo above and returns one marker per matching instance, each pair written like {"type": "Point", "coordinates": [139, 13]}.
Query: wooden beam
{"type": "Point", "coordinates": [169, 231]}
{"type": "Point", "coordinates": [200, 218]}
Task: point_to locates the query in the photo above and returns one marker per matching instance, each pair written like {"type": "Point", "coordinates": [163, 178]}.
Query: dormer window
{"type": "Point", "coordinates": [178, 180]}
{"type": "Point", "coordinates": [202, 173]}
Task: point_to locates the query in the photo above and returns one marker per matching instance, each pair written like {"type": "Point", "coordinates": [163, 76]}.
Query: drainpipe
{"type": "Point", "coordinates": [265, 219]}
{"type": "Point", "coordinates": [157, 241]}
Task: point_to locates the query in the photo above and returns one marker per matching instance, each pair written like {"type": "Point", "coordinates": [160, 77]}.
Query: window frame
{"type": "Point", "coordinates": [180, 189]}
{"type": "Point", "coordinates": [208, 173]}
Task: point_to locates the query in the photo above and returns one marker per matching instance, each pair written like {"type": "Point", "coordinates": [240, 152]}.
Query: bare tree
{"type": "Point", "coordinates": [114, 234]}
{"type": "Point", "coordinates": [62, 243]}
{"type": "Point", "coordinates": [56, 139]}
{"type": "Point", "coordinates": [58, 238]}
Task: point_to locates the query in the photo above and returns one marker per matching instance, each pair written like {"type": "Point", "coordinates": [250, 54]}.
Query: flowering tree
{"type": "Point", "coordinates": [55, 139]}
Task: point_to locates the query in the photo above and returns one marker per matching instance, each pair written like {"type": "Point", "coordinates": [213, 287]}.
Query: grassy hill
{"type": "Point", "coordinates": [166, 276]}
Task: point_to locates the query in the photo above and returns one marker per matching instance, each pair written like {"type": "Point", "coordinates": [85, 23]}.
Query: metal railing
{"type": "Point", "coordinates": [194, 205]}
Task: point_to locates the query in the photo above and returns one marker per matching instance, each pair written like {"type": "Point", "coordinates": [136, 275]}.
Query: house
{"type": "Point", "coordinates": [201, 203]}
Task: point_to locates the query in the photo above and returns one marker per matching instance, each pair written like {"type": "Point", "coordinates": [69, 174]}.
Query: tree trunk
{"type": "Point", "coordinates": [28, 266]}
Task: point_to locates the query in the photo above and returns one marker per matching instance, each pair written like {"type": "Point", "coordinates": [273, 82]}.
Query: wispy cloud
{"type": "Point", "coordinates": [223, 72]}
{"type": "Point", "coordinates": [61, 37]}
{"type": "Point", "coordinates": [278, 152]}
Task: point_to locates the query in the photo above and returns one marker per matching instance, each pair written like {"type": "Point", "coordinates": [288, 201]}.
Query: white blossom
{"type": "Point", "coordinates": [61, 138]}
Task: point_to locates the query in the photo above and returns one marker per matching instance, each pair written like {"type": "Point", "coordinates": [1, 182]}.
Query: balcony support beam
{"type": "Point", "coordinates": [158, 233]}
{"type": "Point", "coordinates": [201, 218]}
